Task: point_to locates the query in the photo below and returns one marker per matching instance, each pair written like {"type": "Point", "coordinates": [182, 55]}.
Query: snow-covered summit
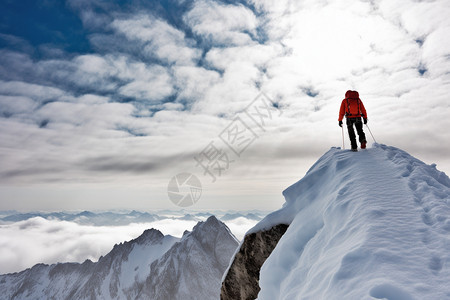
{"type": "Point", "coordinates": [192, 268]}
{"type": "Point", "coordinates": [368, 225]}
{"type": "Point", "coordinates": [149, 235]}
{"type": "Point", "coordinates": [205, 232]}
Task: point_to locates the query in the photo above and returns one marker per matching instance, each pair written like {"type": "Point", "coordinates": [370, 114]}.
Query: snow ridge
{"type": "Point", "coordinates": [365, 225]}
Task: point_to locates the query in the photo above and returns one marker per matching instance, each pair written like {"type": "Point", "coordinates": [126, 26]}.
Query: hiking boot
{"type": "Point", "coordinates": [355, 150]}
{"type": "Point", "coordinates": [363, 144]}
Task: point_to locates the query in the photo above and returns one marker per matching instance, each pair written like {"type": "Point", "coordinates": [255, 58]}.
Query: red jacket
{"type": "Point", "coordinates": [352, 106]}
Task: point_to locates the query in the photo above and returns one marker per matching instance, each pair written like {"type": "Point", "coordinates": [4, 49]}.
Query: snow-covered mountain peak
{"type": "Point", "coordinates": [152, 236]}
{"type": "Point", "coordinates": [204, 232]}
{"type": "Point", "coordinates": [152, 266]}
{"type": "Point", "coordinates": [203, 228]}
{"type": "Point", "coordinates": [359, 175]}
{"type": "Point", "coordinates": [374, 224]}
{"type": "Point", "coordinates": [211, 224]}
{"type": "Point", "coordinates": [204, 252]}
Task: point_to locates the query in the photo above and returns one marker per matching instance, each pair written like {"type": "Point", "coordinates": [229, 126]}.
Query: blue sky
{"type": "Point", "coordinates": [103, 102]}
{"type": "Point", "coordinates": [39, 23]}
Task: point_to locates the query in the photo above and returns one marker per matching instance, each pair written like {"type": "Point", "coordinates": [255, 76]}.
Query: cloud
{"type": "Point", "coordinates": [158, 39]}
{"type": "Point", "coordinates": [240, 226]}
{"type": "Point", "coordinates": [13, 105]}
{"type": "Point", "coordinates": [16, 43]}
{"type": "Point", "coordinates": [193, 82]}
{"type": "Point", "coordinates": [227, 25]}
{"type": "Point", "coordinates": [150, 83]}
{"type": "Point", "coordinates": [92, 20]}
{"type": "Point", "coordinates": [115, 75]}
{"type": "Point", "coordinates": [436, 53]}
{"type": "Point", "coordinates": [257, 55]}
{"type": "Point", "coordinates": [38, 240]}
{"type": "Point", "coordinates": [158, 84]}
{"type": "Point", "coordinates": [38, 93]}
{"type": "Point", "coordinates": [412, 15]}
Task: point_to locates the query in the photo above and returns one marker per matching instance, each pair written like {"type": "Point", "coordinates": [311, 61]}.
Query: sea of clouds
{"type": "Point", "coordinates": [41, 240]}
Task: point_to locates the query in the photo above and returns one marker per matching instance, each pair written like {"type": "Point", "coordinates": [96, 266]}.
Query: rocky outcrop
{"type": "Point", "coordinates": [242, 279]}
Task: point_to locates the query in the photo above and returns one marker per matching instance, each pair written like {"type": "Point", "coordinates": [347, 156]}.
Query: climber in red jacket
{"type": "Point", "coordinates": [353, 109]}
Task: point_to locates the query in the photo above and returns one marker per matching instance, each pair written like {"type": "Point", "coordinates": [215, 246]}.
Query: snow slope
{"type": "Point", "coordinates": [368, 225]}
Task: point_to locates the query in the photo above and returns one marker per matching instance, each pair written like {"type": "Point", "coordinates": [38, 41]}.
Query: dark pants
{"type": "Point", "coordinates": [351, 131]}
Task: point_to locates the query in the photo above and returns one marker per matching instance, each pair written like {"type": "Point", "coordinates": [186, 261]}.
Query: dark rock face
{"type": "Point", "coordinates": [242, 279]}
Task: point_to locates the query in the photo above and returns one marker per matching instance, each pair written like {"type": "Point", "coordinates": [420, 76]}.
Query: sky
{"type": "Point", "coordinates": [102, 103]}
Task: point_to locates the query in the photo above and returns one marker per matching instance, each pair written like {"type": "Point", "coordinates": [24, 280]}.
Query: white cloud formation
{"type": "Point", "coordinates": [36, 92]}
{"type": "Point", "coordinates": [93, 20]}
{"type": "Point", "coordinates": [11, 105]}
{"type": "Point", "coordinates": [137, 79]}
{"type": "Point", "coordinates": [256, 55]}
{"type": "Point", "coordinates": [222, 24]}
{"type": "Point", "coordinates": [150, 83]}
{"type": "Point", "coordinates": [96, 65]}
{"type": "Point", "coordinates": [158, 39]}
{"type": "Point", "coordinates": [240, 226]}
{"type": "Point", "coordinates": [37, 240]}
{"type": "Point", "coordinates": [194, 82]}
{"type": "Point", "coordinates": [184, 85]}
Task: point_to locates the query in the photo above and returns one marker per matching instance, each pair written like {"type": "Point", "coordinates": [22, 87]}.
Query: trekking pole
{"type": "Point", "coordinates": [371, 133]}
{"type": "Point", "coordinates": [343, 145]}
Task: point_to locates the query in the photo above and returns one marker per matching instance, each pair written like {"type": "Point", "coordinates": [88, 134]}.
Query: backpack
{"type": "Point", "coordinates": [353, 104]}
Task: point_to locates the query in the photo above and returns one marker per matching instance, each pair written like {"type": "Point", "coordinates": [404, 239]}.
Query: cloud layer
{"type": "Point", "coordinates": [38, 240]}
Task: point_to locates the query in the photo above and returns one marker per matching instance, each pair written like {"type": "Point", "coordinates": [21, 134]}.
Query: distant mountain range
{"type": "Point", "coordinates": [152, 266]}
{"type": "Point", "coordinates": [88, 218]}
{"type": "Point", "coordinates": [125, 218]}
